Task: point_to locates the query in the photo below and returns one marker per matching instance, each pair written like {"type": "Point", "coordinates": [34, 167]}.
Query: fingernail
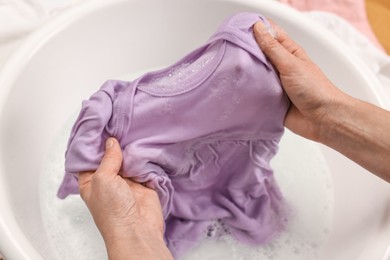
{"type": "Point", "coordinates": [261, 28]}
{"type": "Point", "coordinates": [109, 143]}
{"type": "Point", "coordinates": [267, 28]}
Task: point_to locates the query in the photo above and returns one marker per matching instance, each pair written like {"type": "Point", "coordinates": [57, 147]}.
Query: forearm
{"type": "Point", "coordinates": [361, 132]}
{"type": "Point", "coordinates": [320, 112]}
{"type": "Point", "coordinates": [141, 244]}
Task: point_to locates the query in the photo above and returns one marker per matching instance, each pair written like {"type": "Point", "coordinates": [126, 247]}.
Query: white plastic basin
{"type": "Point", "coordinates": [41, 88]}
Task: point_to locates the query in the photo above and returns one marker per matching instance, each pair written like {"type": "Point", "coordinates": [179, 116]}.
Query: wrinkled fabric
{"type": "Point", "coordinates": [201, 133]}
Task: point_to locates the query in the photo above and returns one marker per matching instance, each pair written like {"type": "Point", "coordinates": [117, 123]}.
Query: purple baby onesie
{"type": "Point", "coordinates": [201, 133]}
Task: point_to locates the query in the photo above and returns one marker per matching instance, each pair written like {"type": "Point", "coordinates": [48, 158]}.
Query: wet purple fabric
{"type": "Point", "coordinates": [201, 133]}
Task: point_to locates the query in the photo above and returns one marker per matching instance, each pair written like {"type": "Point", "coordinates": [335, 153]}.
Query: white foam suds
{"type": "Point", "coordinates": [68, 223]}
{"type": "Point", "coordinates": [300, 171]}
{"type": "Point", "coordinates": [302, 174]}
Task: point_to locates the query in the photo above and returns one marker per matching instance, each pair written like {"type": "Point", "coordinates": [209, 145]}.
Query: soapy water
{"type": "Point", "coordinates": [302, 174]}
{"type": "Point", "coordinates": [300, 170]}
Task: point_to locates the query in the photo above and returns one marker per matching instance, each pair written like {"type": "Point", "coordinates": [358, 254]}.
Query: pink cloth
{"type": "Point", "coordinates": [353, 11]}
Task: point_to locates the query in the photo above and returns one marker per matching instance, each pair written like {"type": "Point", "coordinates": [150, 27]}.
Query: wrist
{"type": "Point", "coordinates": [134, 233]}
{"type": "Point", "coordinates": [335, 116]}
{"type": "Point", "coordinates": [136, 242]}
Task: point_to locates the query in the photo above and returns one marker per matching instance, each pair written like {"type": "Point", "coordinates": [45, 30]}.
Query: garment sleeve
{"type": "Point", "coordinates": [85, 149]}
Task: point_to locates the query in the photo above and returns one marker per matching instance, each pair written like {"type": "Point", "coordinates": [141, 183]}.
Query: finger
{"type": "Point", "coordinates": [278, 46]}
{"type": "Point", "coordinates": [84, 183]}
{"type": "Point", "coordinates": [84, 178]}
{"type": "Point", "coordinates": [289, 44]}
{"type": "Point", "coordinates": [112, 159]}
{"type": "Point", "coordinates": [276, 52]}
{"type": "Point", "coordinates": [134, 184]}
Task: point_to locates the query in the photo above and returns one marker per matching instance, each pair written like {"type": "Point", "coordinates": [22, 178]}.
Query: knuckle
{"type": "Point", "coordinates": [270, 45]}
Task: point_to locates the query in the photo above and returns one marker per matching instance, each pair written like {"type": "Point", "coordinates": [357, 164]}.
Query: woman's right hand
{"type": "Point", "coordinates": [310, 91]}
{"type": "Point", "coordinates": [323, 113]}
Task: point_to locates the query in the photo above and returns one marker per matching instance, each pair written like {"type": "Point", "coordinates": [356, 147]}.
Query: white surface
{"type": "Point", "coordinates": [68, 60]}
{"type": "Point", "coordinates": [375, 59]}
{"type": "Point", "coordinates": [19, 17]}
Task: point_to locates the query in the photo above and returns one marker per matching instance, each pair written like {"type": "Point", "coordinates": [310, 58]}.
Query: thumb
{"type": "Point", "coordinates": [112, 159]}
{"type": "Point", "coordinates": [279, 46]}
{"type": "Point", "coordinates": [272, 48]}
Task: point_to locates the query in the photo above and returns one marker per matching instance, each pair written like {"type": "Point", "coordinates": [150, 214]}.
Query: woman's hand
{"type": "Point", "coordinates": [321, 112]}
{"type": "Point", "coordinates": [310, 91]}
{"type": "Point", "coordinates": [127, 214]}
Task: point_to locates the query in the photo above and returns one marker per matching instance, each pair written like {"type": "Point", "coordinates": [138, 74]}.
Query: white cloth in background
{"type": "Point", "coordinates": [19, 17]}
{"type": "Point", "coordinates": [374, 58]}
